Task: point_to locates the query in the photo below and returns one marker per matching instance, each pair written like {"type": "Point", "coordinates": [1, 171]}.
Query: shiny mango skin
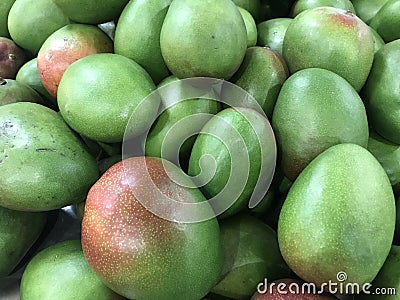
{"type": "Point", "coordinates": [381, 92]}
{"type": "Point", "coordinates": [43, 164]}
{"type": "Point", "coordinates": [212, 31]}
{"type": "Point", "coordinates": [329, 224]}
{"type": "Point", "coordinates": [137, 35]}
{"type": "Point", "coordinates": [316, 109]}
{"type": "Point", "coordinates": [18, 231]}
{"type": "Point", "coordinates": [262, 74]}
{"type": "Point", "coordinates": [251, 254]}
{"type": "Point", "coordinates": [333, 39]}
{"type": "Point", "coordinates": [13, 91]}
{"type": "Point", "coordinates": [228, 133]}
{"type": "Point", "coordinates": [387, 21]}
{"type": "Point", "coordinates": [302, 5]}
{"type": "Point", "coordinates": [272, 32]}
{"type": "Point", "coordinates": [138, 254]}
{"type": "Point", "coordinates": [61, 272]}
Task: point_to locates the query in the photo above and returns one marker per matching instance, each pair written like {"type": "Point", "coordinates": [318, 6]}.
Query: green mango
{"type": "Point", "coordinates": [272, 32]}
{"type": "Point", "coordinates": [339, 214]}
{"type": "Point", "coordinates": [262, 74]}
{"type": "Point", "coordinates": [387, 282]}
{"type": "Point", "coordinates": [251, 254]}
{"type": "Point", "coordinates": [12, 91]}
{"type": "Point", "coordinates": [107, 85]}
{"type": "Point", "coordinates": [31, 22]}
{"type": "Point", "coordinates": [252, 6]}
{"type": "Point", "coordinates": [18, 231]}
{"type": "Point", "coordinates": [137, 35]}
{"type": "Point", "coordinates": [325, 109]}
{"type": "Point", "coordinates": [242, 145]}
{"type": "Point", "coordinates": [43, 164]}
{"type": "Point", "coordinates": [302, 5]}
{"type": "Point", "coordinates": [378, 41]}
{"type": "Point", "coordinates": [396, 238]}
{"type": "Point", "coordinates": [211, 31]}
{"type": "Point", "coordinates": [29, 75]}
{"type": "Point", "coordinates": [367, 9]}
{"type": "Point", "coordinates": [61, 272]}
{"type": "Point", "coordinates": [333, 39]}
{"type": "Point", "coordinates": [5, 6]}
{"type": "Point", "coordinates": [251, 27]}
{"type": "Point", "coordinates": [387, 153]}
{"type": "Point", "coordinates": [381, 92]}
{"type": "Point", "coordinates": [139, 254]}
{"type": "Point", "coordinates": [91, 11]}
{"type": "Point", "coordinates": [387, 21]}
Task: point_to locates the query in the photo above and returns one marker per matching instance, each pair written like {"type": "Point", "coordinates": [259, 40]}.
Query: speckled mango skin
{"type": "Point", "coordinates": [316, 109]}
{"type": "Point", "coordinates": [65, 46]}
{"type": "Point", "coordinates": [18, 231]}
{"type": "Point", "coordinates": [61, 272]}
{"type": "Point", "coordinates": [140, 255]}
{"type": "Point", "coordinates": [262, 74]}
{"type": "Point", "coordinates": [203, 38]}
{"type": "Point", "coordinates": [333, 39]}
{"type": "Point", "coordinates": [329, 224]}
{"type": "Point", "coordinates": [43, 164]}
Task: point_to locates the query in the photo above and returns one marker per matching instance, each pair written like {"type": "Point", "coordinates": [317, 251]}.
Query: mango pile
{"type": "Point", "coordinates": [209, 149]}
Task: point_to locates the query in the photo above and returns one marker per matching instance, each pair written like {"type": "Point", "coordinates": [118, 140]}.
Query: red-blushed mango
{"type": "Point", "coordinates": [333, 39]}
{"type": "Point", "coordinates": [289, 289]}
{"type": "Point", "coordinates": [138, 254]}
{"type": "Point", "coordinates": [203, 38]}
{"type": "Point", "coordinates": [65, 46]}
{"type": "Point", "coordinates": [12, 58]}
{"type": "Point", "coordinates": [339, 214]}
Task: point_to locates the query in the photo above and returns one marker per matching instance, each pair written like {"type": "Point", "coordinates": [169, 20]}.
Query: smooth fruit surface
{"type": "Point", "coordinates": [137, 35]}
{"type": "Point", "coordinates": [333, 39]}
{"type": "Point", "coordinates": [272, 32]}
{"type": "Point", "coordinates": [251, 27]}
{"type": "Point", "coordinates": [5, 7]}
{"type": "Point", "coordinates": [242, 145]}
{"type": "Point", "coordinates": [98, 93]}
{"type": "Point", "coordinates": [31, 22]}
{"type": "Point", "coordinates": [18, 231]}
{"type": "Point", "coordinates": [57, 267]}
{"type": "Point", "coordinates": [12, 91]}
{"type": "Point", "coordinates": [12, 58]}
{"type": "Point", "coordinates": [43, 164]}
{"type": "Point", "coordinates": [212, 31]}
{"type": "Point", "coordinates": [315, 110]}
{"type": "Point", "coordinates": [367, 9]}
{"type": "Point", "coordinates": [387, 21]}
{"type": "Point", "coordinates": [65, 46]}
{"type": "Point", "coordinates": [302, 5]}
{"type": "Point", "coordinates": [138, 254]}
{"type": "Point", "coordinates": [382, 92]}
{"type": "Point", "coordinates": [329, 224]}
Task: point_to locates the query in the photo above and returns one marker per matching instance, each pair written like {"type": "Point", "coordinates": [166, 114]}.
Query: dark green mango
{"type": "Point", "coordinates": [252, 6]}
{"type": "Point", "coordinates": [233, 159]}
{"type": "Point", "coordinates": [302, 5]}
{"type": "Point", "coordinates": [29, 75]}
{"type": "Point", "coordinates": [43, 163]}
{"type": "Point", "coordinates": [18, 231]}
{"type": "Point", "coordinates": [382, 92]}
{"type": "Point", "coordinates": [271, 9]}
{"type": "Point", "coordinates": [61, 272]}
{"type": "Point", "coordinates": [262, 74]}
{"type": "Point", "coordinates": [251, 27]}
{"type": "Point", "coordinates": [367, 9]}
{"type": "Point", "coordinates": [137, 35]}
{"type": "Point", "coordinates": [388, 154]}
{"type": "Point", "coordinates": [12, 91]}
{"type": "Point", "coordinates": [251, 254]}
{"type": "Point", "coordinates": [271, 33]}
{"type": "Point", "coordinates": [387, 282]}
{"type": "Point", "coordinates": [316, 109]}
{"type": "Point", "coordinates": [339, 214]}
{"type": "Point", "coordinates": [387, 21]}
{"type": "Point", "coordinates": [5, 6]}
